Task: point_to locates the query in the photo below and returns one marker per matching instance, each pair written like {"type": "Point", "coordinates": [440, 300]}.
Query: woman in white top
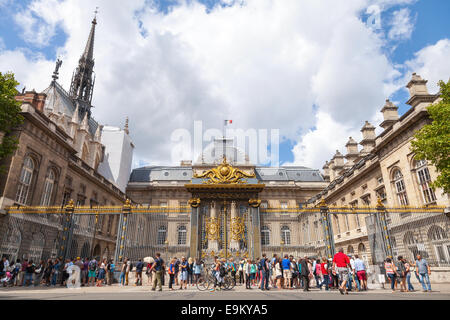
{"type": "Point", "coordinates": [278, 273]}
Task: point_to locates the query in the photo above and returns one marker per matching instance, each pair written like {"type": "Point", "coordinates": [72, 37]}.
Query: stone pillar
{"type": "Point", "coordinates": [213, 245]}
{"type": "Point", "coordinates": [194, 240]}
{"type": "Point", "coordinates": [255, 234]}
{"type": "Point", "coordinates": [234, 244]}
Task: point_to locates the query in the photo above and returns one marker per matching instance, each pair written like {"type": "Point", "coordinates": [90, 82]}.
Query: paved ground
{"type": "Point", "coordinates": [441, 292]}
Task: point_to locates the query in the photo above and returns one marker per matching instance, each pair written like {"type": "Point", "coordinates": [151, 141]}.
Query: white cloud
{"type": "Point", "coordinates": [432, 63]}
{"type": "Point", "coordinates": [402, 25]}
{"type": "Point", "coordinates": [262, 63]}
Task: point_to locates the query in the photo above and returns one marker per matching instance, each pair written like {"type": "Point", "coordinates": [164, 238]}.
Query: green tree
{"type": "Point", "coordinates": [9, 115]}
{"type": "Point", "coordinates": [432, 142]}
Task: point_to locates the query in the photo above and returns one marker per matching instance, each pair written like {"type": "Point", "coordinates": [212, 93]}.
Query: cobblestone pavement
{"type": "Point", "coordinates": [440, 292]}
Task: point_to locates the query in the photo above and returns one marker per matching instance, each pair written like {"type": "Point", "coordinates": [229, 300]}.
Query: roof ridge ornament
{"type": "Point", "coordinates": [225, 174]}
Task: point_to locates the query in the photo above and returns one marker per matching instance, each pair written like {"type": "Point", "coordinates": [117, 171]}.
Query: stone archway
{"type": "Point", "coordinates": [97, 251]}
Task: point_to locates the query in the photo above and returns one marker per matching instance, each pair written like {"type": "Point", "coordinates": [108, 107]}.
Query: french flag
{"type": "Point", "coordinates": [227, 122]}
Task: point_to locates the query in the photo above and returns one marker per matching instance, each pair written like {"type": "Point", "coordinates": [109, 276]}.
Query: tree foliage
{"type": "Point", "coordinates": [9, 114]}
{"type": "Point", "coordinates": [432, 142]}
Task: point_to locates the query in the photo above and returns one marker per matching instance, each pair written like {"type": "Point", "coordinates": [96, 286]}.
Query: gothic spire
{"type": "Point", "coordinates": [83, 81]}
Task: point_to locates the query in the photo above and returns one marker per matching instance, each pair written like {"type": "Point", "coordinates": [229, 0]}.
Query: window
{"type": "Point", "coordinates": [381, 193]}
{"type": "Point", "coordinates": [26, 177]}
{"type": "Point", "coordinates": [163, 204]}
{"type": "Point", "coordinates": [283, 205]}
{"type": "Point", "coordinates": [264, 205]}
{"type": "Point", "coordinates": [162, 234]}
{"type": "Point", "coordinates": [400, 188]}
{"type": "Point", "coordinates": [423, 175]}
{"type": "Point", "coordinates": [265, 236]}
{"type": "Point", "coordinates": [366, 200]}
{"type": "Point", "coordinates": [380, 180]}
{"type": "Point", "coordinates": [285, 235]}
{"type": "Point", "coordinates": [336, 221]}
{"type": "Point", "coordinates": [350, 250]}
{"type": "Point", "coordinates": [182, 235]}
{"type": "Point", "coordinates": [48, 188]}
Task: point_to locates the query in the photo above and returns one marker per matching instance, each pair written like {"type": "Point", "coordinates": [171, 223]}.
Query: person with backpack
{"type": "Point", "coordinates": [232, 268]}
{"type": "Point", "coordinates": [190, 269]}
{"type": "Point", "coordinates": [325, 275]}
{"type": "Point", "coordinates": [220, 272]}
{"type": "Point", "coordinates": [157, 267]}
{"type": "Point", "coordinates": [401, 271]}
{"type": "Point", "coordinates": [48, 272]}
{"type": "Point", "coordinates": [197, 269]}
{"type": "Point", "coordinates": [318, 274]}
{"type": "Point", "coordinates": [295, 272]}
{"type": "Point", "coordinates": [177, 270]}
{"type": "Point", "coordinates": [149, 274]}
{"type": "Point", "coordinates": [128, 270]}
{"type": "Point", "coordinates": [56, 271]}
{"type": "Point", "coordinates": [139, 268]}
{"type": "Point", "coordinates": [92, 271]}
{"type": "Point", "coordinates": [184, 273]}
{"type": "Point", "coordinates": [101, 273]}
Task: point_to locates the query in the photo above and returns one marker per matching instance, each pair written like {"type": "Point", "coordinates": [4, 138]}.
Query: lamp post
{"type": "Point", "coordinates": [282, 244]}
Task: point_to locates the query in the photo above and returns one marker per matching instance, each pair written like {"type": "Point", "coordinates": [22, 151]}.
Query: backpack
{"type": "Point", "coordinates": [222, 271]}
{"type": "Point", "coordinates": [92, 265]}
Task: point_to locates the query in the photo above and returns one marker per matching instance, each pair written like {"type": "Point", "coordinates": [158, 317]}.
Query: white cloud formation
{"type": "Point", "coordinates": [402, 25]}
{"type": "Point", "coordinates": [262, 63]}
{"type": "Point", "coordinates": [432, 63]}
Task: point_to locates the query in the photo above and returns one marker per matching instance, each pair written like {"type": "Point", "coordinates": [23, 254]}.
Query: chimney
{"type": "Point", "coordinates": [326, 171]}
{"type": "Point", "coordinates": [37, 100]}
{"type": "Point", "coordinates": [352, 152]}
{"type": "Point", "coordinates": [417, 86]}
{"type": "Point", "coordinates": [331, 171]}
{"type": "Point", "coordinates": [338, 161]}
{"type": "Point", "coordinates": [368, 142]}
{"type": "Point", "coordinates": [390, 115]}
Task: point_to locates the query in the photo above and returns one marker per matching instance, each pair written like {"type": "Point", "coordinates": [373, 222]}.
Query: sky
{"type": "Point", "coordinates": [314, 70]}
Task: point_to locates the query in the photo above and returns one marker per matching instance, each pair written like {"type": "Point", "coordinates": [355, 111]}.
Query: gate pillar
{"type": "Point", "coordinates": [383, 226]}
{"type": "Point", "coordinates": [194, 237]}
{"type": "Point", "coordinates": [327, 229]}
{"type": "Point", "coordinates": [121, 232]}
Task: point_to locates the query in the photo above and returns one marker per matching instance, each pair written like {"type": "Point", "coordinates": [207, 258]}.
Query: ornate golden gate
{"type": "Point", "coordinates": [225, 215]}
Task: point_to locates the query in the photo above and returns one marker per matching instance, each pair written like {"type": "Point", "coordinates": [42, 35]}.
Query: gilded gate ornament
{"type": "Point", "coordinates": [194, 203]}
{"type": "Point", "coordinates": [224, 173]}
{"type": "Point", "coordinates": [212, 228]}
{"type": "Point", "coordinates": [237, 229]}
{"type": "Point", "coordinates": [255, 203]}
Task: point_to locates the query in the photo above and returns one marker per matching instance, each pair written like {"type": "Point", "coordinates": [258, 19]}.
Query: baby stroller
{"type": "Point", "coordinates": [6, 279]}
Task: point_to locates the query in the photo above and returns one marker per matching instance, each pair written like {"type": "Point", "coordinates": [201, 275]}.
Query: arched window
{"type": "Point", "coordinates": [162, 234]}
{"type": "Point", "coordinates": [361, 248]}
{"type": "Point", "coordinates": [423, 176]}
{"type": "Point", "coordinates": [350, 250]}
{"type": "Point", "coordinates": [26, 177]}
{"type": "Point", "coordinates": [265, 236]}
{"type": "Point", "coordinates": [11, 241]}
{"type": "Point", "coordinates": [441, 244]}
{"type": "Point", "coordinates": [48, 188]}
{"type": "Point", "coordinates": [285, 235]}
{"type": "Point", "coordinates": [182, 232]}
{"type": "Point", "coordinates": [400, 188]}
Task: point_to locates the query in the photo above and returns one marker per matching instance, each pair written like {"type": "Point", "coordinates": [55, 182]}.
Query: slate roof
{"type": "Point", "coordinates": [161, 173]}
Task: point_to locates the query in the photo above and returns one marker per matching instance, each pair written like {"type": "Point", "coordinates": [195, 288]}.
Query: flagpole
{"type": "Point", "coordinates": [224, 124]}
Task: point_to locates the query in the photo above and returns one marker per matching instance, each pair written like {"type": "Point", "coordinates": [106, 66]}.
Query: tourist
{"type": "Point", "coordinates": [171, 272]}
{"type": "Point", "coordinates": [29, 271]}
{"type": "Point", "coordinates": [341, 265]}
{"type": "Point", "coordinates": [198, 268]}
{"type": "Point", "coordinates": [123, 271]}
{"type": "Point", "coordinates": [48, 272]}
{"type": "Point", "coordinates": [139, 268]}
{"type": "Point", "coordinates": [233, 269]}
{"type": "Point", "coordinates": [295, 273]}
{"type": "Point", "coordinates": [110, 267]}
{"type": "Point", "coordinates": [157, 268]}
{"type": "Point", "coordinates": [360, 271]}
{"type": "Point", "coordinates": [247, 274]}
{"type": "Point", "coordinates": [220, 272]}
{"type": "Point", "coordinates": [305, 273]}
{"type": "Point", "coordinates": [391, 272]}
{"type": "Point", "coordinates": [85, 272]}
{"type": "Point", "coordinates": [177, 270]}
{"type": "Point", "coordinates": [39, 273]}
{"type": "Point", "coordinates": [190, 270]}
{"type": "Point", "coordinates": [22, 272]}
{"type": "Point", "coordinates": [265, 267]}
{"type": "Point", "coordinates": [408, 276]}
{"type": "Point", "coordinates": [278, 273]}
{"type": "Point", "coordinates": [287, 272]}
{"type": "Point", "coordinates": [241, 271]}
{"type": "Point", "coordinates": [56, 271]}
{"type": "Point", "coordinates": [3, 267]}
{"type": "Point", "coordinates": [101, 273]}
{"type": "Point", "coordinates": [92, 271]}
{"type": "Point", "coordinates": [325, 276]}
{"type": "Point", "coordinates": [318, 275]}
{"type": "Point", "coordinates": [184, 273]}
{"type": "Point", "coordinates": [423, 271]}
{"type": "Point", "coordinates": [128, 269]}
{"type": "Point", "coordinates": [401, 272]}
{"type": "Point", "coordinates": [253, 269]}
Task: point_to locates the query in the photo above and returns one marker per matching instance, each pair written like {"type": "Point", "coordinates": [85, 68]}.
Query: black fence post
{"type": "Point", "coordinates": [327, 229]}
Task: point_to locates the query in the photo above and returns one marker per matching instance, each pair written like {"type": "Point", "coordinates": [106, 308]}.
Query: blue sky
{"type": "Point", "coordinates": [428, 20]}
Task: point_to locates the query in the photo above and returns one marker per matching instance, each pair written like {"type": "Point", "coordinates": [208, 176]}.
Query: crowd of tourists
{"type": "Point", "coordinates": [343, 272]}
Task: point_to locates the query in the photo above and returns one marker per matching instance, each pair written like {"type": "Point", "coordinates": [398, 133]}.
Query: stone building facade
{"type": "Point", "coordinates": [57, 160]}
{"type": "Point", "coordinates": [385, 168]}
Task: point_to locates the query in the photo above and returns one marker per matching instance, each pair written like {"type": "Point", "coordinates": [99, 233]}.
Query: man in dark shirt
{"type": "Point", "coordinates": [305, 273]}
{"type": "Point", "coordinates": [157, 267]}
{"type": "Point", "coordinates": [139, 268]}
{"type": "Point", "coordinates": [264, 266]}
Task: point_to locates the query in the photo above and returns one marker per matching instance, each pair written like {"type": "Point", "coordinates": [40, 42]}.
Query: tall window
{"type": "Point", "coordinates": [162, 234]}
{"type": "Point", "coordinates": [336, 221]}
{"type": "Point", "coordinates": [48, 188]}
{"type": "Point", "coordinates": [265, 236]}
{"type": "Point", "coordinates": [26, 177]}
{"type": "Point", "coordinates": [423, 174]}
{"type": "Point", "coordinates": [400, 188]}
{"type": "Point", "coordinates": [440, 241]}
{"type": "Point", "coordinates": [286, 235]}
{"type": "Point", "coordinates": [182, 235]}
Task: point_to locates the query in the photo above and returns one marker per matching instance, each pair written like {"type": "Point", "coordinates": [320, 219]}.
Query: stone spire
{"type": "Point", "coordinates": [368, 142]}
{"type": "Point", "coordinates": [390, 114]}
{"type": "Point", "coordinates": [126, 129]}
{"type": "Point", "coordinates": [76, 115]}
{"type": "Point", "coordinates": [85, 124]}
{"type": "Point", "coordinates": [83, 81]}
{"type": "Point", "coordinates": [352, 152]}
{"type": "Point", "coordinates": [98, 134]}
